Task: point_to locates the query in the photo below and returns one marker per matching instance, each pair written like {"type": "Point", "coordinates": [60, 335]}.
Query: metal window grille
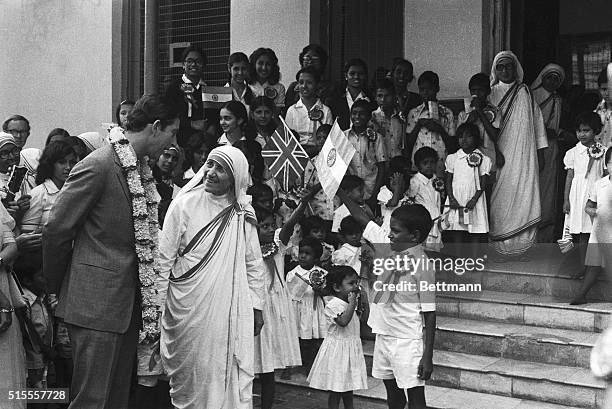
{"type": "Point", "coordinates": [589, 56]}
{"type": "Point", "coordinates": [204, 23]}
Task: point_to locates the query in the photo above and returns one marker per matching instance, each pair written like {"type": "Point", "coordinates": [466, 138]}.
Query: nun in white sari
{"type": "Point", "coordinates": [545, 94]}
{"type": "Point", "coordinates": [210, 250]}
{"type": "Point", "coordinates": [515, 201]}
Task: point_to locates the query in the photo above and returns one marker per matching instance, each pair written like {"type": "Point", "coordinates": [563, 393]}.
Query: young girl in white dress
{"type": "Point", "coordinates": [309, 305]}
{"type": "Point", "coordinates": [585, 165]}
{"type": "Point", "coordinates": [277, 346]}
{"type": "Point", "coordinates": [423, 191]}
{"type": "Point", "coordinates": [340, 366]}
{"type": "Point", "coordinates": [466, 174]}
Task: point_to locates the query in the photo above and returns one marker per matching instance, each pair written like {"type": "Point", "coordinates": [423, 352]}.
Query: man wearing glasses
{"type": "Point", "coordinates": [19, 127]}
{"type": "Point", "coordinates": [186, 94]}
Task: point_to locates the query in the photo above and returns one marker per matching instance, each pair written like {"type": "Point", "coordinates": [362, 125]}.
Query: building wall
{"type": "Point", "coordinates": [445, 36]}
{"type": "Point", "coordinates": [282, 25]}
{"type": "Point", "coordinates": [59, 63]}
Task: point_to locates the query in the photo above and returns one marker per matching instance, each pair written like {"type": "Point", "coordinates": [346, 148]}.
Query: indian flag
{"type": "Point", "coordinates": [333, 160]}
{"type": "Point", "coordinates": [216, 97]}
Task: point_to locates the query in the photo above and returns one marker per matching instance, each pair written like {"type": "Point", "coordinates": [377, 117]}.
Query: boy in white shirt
{"type": "Point", "coordinates": [306, 115]}
{"type": "Point", "coordinates": [402, 358]}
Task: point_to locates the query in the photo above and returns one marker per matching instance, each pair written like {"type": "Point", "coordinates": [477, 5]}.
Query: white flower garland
{"type": "Point", "coordinates": [144, 211]}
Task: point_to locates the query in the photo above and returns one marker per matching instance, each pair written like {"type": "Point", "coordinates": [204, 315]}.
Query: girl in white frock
{"type": "Point", "coordinates": [466, 173]}
{"type": "Point", "coordinates": [340, 366]}
{"type": "Point", "coordinates": [277, 346]}
{"type": "Point", "coordinates": [585, 165]}
{"type": "Point", "coordinates": [308, 305]}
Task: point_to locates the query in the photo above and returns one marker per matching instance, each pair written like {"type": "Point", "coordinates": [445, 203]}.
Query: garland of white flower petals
{"type": "Point", "coordinates": [144, 211]}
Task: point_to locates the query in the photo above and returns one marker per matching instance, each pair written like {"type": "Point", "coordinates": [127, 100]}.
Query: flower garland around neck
{"type": "Point", "coordinates": [144, 211]}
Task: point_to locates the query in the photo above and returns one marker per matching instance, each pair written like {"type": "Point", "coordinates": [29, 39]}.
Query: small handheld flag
{"type": "Point", "coordinates": [216, 97]}
{"type": "Point", "coordinates": [284, 156]}
{"type": "Point", "coordinates": [333, 160]}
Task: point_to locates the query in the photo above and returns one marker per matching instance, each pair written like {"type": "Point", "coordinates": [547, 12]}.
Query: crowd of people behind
{"type": "Point", "coordinates": [492, 174]}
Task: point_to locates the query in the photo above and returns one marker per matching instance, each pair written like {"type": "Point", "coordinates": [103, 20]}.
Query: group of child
{"type": "Point", "coordinates": [419, 179]}
{"type": "Point", "coordinates": [413, 156]}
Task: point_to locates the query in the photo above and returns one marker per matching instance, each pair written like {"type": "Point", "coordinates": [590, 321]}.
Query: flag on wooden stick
{"type": "Point", "coordinates": [333, 160]}
{"type": "Point", "coordinates": [285, 157]}
{"type": "Point", "coordinates": [216, 97]}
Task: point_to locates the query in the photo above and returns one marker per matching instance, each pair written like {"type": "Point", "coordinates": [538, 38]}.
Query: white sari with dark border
{"type": "Point", "coordinates": [515, 201]}
{"type": "Point", "coordinates": [209, 247]}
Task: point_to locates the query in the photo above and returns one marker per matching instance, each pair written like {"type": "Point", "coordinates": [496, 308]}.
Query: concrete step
{"type": "Point", "coordinates": [514, 341]}
{"type": "Point", "coordinates": [538, 381]}
{"type": "Point", "coordinates": [439, 397]}
{"type": "Point", "coordinates": [526, 278]}
{"type": "Point", "coordinates": [518, 379]}
{"type": "Point", "coordinates": [527, 309]}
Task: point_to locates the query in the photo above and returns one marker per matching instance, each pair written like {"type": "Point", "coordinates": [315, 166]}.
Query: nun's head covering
{"type": "Point", "coordinates": [93, 140]}
{"type": "Point", "coordinates": [548, 70]}
{"type": "Point", "coordinates": [235, 163]}
{"type": "Point", "coordinates": [506, 56]}
{"type": "Point", "coordinates": [7, 138]}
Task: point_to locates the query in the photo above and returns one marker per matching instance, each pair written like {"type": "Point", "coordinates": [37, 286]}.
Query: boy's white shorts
{"type": "Point", "coordinates": [398, 358]}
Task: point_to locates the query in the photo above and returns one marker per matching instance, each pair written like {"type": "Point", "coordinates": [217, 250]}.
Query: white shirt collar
{"type": "Point", "coordinates": [186, 80]}
{"type": "Point", "coordinates": [581, 148]}
{"type": "Point", "coordinates": [300, 104]}
{"type": "Point", "coordinates": [422, 178]}
{"type": "Point", "coordinates": [50, 187]}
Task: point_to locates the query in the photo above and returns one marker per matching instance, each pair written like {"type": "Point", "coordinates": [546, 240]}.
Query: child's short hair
{"type": "Point", "coordinates": [309, 70]}
{"type": "Point", "coordinates": [349, 225]}
{"type": "Point", "coordinates": [258, 190]}
{"type": "Point", "coordinates": [308, 224]}
{"type": "Point", "coordinates": [324, 129]}
{"type": "Point", "coordinates": [602, 78]}
{"type": "Point", "coordinates": [414, 217]}
{"type": "Point", "coordinates": [471, 129]}
{"type": "Point", "coordinates": [356, 62]}
{"type": "Point", "coordinates": [591, 119]}
{"type": "Point", "coordinates": [399, 164]}
{"type": "Point", "coordinates": [362, 103]}
{"type": "Point", "coordinates": [194, 48]}
{"type": "Point", "coordinates": [314, 244]}
{"type": "Point", "coordinates": [318, 50]}
{"type": "Point", "coordinates": [350, 182]}
{"type": "Point", "coordinates": [431, 78]}
{"type": "Point", "coordinates": [424, 153]}
{"type": "Point", "coordinates": [397, 61]}
{"type": "Point", "coordinates": [336, 275]}
{"type": "Point", "coordinates": [481, 79]}
{"type": "Point", "coordinates": [386, 84]}
{"type": "Point", "coordinates": [262, 213]}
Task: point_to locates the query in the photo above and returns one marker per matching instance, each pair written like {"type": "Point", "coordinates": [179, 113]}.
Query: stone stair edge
{"type": "Point", "coordinates": [490, 296]}
{"type": "Point", "coordinates": [478, 400]}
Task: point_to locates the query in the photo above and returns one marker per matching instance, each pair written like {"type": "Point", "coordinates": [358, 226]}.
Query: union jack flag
{"type": "Point", "coordinates": [285, 157]}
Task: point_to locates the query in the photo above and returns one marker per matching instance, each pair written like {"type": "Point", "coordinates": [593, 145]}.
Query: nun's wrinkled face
{"type": "Point", "coordinates": [505, 70]}
{"type": "Point", "coordinates": [217, 180]}
{"type": "Point", "coordinates": [9, 156]}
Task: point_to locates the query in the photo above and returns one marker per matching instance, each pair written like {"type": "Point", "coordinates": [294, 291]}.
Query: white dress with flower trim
{"type": "Point", "coordinates": [309, 308]}
{"type": "Point", "coordinates": [277, 346]}
{"type": "Point", "coordinates": [466, 180]}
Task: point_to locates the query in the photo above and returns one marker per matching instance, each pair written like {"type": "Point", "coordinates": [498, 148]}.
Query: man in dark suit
{"type": "Point", "coordinates": [91, 262]}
